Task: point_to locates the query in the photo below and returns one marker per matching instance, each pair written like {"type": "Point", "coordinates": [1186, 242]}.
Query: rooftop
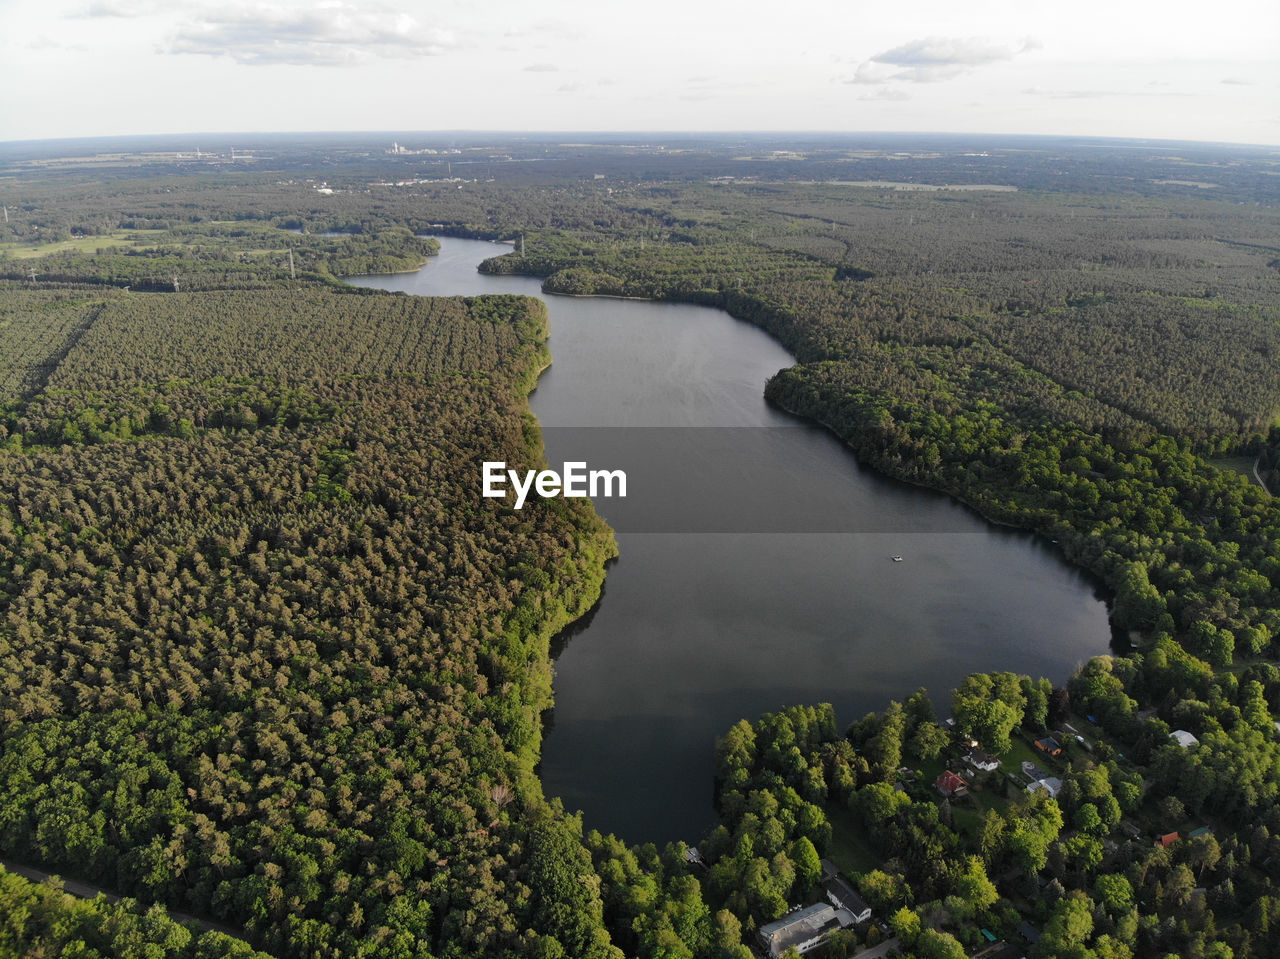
{"type": "Point", "coordinates": [950, 782]}
{"type": "Point", "coordinates": [799, 927]}
{"type": "Point", "coordinates": [848, 897]}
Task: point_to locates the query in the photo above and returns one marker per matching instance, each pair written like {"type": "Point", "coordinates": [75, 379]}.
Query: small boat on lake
{"type": "Point", "coordinates": [896, 559]}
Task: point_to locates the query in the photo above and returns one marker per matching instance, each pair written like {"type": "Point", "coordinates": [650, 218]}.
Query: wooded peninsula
{"type": "Point", "coordinates": [268, 659]}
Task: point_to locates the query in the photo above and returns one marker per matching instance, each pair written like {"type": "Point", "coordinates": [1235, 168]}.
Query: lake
{"type": "Point", "coordinates": [770, 585]}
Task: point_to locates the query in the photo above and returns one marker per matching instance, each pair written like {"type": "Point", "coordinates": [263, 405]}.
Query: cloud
{"type": "Point", "coordinates": [1096, 94]}
{"type": "Point", "coordinates": [1237, 82]}
{"type": "Point", "coordinates": [546, 27]}
{"type": "Point", "coordinates": [118, 9]}
{"type": "Point", "coordinates": [935, 59]}
{"type": "Point", "coordinates": [541, 68]}
{"type": "Point", "coordinates": [585, 86]}
{"type": "Point", "coordinates": [332, 33]}
{"type": "Point", "coordinates": [1083, 94]}
{"type": "Point", "coordinates": [43, 42]}
{"type": "Point", "coordinates": [886, 93]}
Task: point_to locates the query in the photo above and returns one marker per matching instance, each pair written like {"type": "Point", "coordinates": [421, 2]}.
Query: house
{"type": "Point", "coordinates": [1184, 739]}
{"type": "Point", "coordinates": [802, 930]}
{"type": "Point", "coordinates": [1129, 829]}
{"type": "Point", "coordinates": [1050, 784]}
{"type": "Point", "coordinates": [951, 784]}
{"type": "Point", "coordinates": [1167, 840]}
{"type": "Point", "coordinates": [843, 896]}
{"type": "Point", "coordinates": [1033, 771]}
{"type": "Point", "coordinates": [984, 761]}
{"type": "Point", "coordinates": [1049, 745]}
{"type": "Point", "coordinates": [1029, 932]}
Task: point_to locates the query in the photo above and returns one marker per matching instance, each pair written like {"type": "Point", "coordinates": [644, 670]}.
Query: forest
{"type": "Point", "coordinates": [266, 658]}
{"type": "Point", "coordinates": [266, 655]}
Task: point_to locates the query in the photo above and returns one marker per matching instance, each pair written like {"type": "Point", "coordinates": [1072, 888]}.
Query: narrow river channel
{"type": "Point", "coordinates": [702, 625]}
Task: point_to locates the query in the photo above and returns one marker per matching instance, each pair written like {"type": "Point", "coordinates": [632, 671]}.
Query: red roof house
{"type": "Point", "coordinates": [951, 784]}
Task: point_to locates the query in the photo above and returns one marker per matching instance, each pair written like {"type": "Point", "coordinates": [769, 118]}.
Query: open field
{"type": "Point", "coordinates": [849, 848]}
{"type": "Point", "coordinates": [81, 244]}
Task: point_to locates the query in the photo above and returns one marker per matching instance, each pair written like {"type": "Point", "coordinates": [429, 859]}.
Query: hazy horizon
{"type": "Point", "coordinates": [188, 139]}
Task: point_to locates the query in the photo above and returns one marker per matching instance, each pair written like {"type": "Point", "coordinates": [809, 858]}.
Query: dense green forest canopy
{"type": "Point", "coordinates": [265, 657]}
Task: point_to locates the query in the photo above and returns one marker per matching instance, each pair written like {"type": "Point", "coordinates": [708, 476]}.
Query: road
{"type": "Point", "coordinates": [1258, 476]}
{"type": "Point", "coordinates": [877, 952]}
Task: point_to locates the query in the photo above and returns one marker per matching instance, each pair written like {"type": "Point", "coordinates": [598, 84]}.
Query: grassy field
{"type": "Point", "coordinates": [1236, 464]}
{"type": "Point", "coordinates": [81, 244]}
{"type": "Point", "coordinates": [849, 848]}
{"type": "Point", "coordinates": [1021, 752]}
{"type": "Point", "coordinates": [968, 812]}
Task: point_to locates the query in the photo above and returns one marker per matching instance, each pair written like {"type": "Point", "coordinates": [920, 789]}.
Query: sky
{"type": "Point", "coordinates": [1131, 68]}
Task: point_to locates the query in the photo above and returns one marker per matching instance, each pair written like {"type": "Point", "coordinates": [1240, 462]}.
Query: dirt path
{"type": "Point", "coordinates": [1258, 476]}
{"type": "Point", "coordinates": [85, 891]}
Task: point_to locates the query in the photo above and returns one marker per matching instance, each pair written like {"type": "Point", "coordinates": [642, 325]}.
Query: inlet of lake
{"type": "Point", "coordinates": [697, 628]}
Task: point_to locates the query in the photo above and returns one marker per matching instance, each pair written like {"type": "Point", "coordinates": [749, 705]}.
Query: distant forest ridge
{"type": "Point", "coordinates": [1084, 164]}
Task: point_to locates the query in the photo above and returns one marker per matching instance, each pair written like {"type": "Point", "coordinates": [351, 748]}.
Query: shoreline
{"type": "Point", "coordinates": [917, 484]}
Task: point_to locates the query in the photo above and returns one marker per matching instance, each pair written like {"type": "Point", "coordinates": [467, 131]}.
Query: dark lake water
{"type": "Point", "coordinates": [711, 620]}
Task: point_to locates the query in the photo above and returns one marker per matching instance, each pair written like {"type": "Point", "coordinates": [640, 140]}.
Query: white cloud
{"type": "Point", "coordinates": [935, 59]}
{"type": "Point", "coordinates": [334, 33]}
{"type": "Point", "coordinates": [886, 93]}
{"type": "Point", "coordinates": [1097, 94]}
{"type": "Point", "coordinates": [546, 28]}
{"type": "Point", "coordinates": [119, 9]}
{"type": "Point", "coordinates": [542, 68]}
{"type": "Point", "coordinates": [869, 71]}
{"type": "Point", "coordinates": [586, 86]}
